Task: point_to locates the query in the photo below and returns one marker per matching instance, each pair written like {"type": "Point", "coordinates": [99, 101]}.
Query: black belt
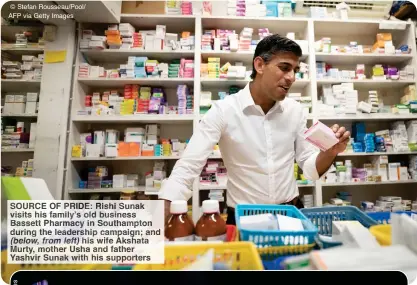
{"type": "Point", "coordinates": [231, 211]}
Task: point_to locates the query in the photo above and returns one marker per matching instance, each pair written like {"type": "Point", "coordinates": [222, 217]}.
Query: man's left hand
{"type": "Point", "coordinates": [343, 137]}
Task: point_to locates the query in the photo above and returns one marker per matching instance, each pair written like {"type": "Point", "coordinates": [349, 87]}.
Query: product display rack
{"type": "Point", "coordinates": [182, 126]}
{"type": "Point", "coordinates": [178, 126]}
{"type": "Point", "coordinates": [14, 157]}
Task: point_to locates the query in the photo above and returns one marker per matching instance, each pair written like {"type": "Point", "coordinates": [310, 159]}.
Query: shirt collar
{"type": "Point", "coordinates": [247, 100]}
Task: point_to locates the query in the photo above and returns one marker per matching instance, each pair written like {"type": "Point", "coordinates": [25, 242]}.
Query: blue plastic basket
{"type": "Point", "coordinates": [385, 217]}
{"type": "Point", "coordinates": [267, 238]}
{"type": "Point", "coordinates": [322, 218]}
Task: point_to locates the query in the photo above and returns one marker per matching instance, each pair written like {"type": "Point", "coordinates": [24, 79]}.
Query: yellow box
{"type": "Point", "coordinates": [214, 60]}
{"type": "Point", "coordinates": [384, 37]}
{"type": "Point", "coordinates": [241, 255]}
{"type": "Point", "coordinates": [382, 233]}
{"type": "Point", "coordinates": [76, 151]}
{"type": "Point", "coordinates": [378, 71]}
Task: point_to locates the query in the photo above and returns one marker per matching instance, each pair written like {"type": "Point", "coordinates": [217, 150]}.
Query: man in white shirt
{"type": "Point", "coordinates": [260, 133]}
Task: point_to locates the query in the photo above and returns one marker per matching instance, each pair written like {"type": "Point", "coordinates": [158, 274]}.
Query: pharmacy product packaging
{"type": "Point", "coordinates": [321, 136]}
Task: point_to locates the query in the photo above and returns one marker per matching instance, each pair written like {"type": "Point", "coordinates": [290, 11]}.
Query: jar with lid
{"type": "Point", "coordinates": [127, 195]}
{"type": "Point", "coordinates": [179, 227]}
{"type": "Point", "coordinates": [211, 226]}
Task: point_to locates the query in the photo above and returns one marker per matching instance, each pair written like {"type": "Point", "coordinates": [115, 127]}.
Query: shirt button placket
{"type": "Point", "coordinates": [269, 156]}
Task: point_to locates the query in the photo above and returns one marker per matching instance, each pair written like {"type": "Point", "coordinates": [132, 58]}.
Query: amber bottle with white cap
{"type": "Point", "coordinates": [180, 227]}
{"type": "Point", "coordinates": [211, 226]}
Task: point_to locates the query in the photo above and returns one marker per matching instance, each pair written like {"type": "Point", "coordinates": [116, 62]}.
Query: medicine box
{"type": "Point", "coordinates": [321, 136]}
{"type": "Point", "coordinates": [19, 108]}
{"type": "Point", "coordinates": [9, 98]}
{"type": "Point", "coordinates": [356, 235]}
{"type": "Point", "coordinates": [112, 136]}
{"type": "Point", "coordinates": [8, 108]}
{"type": "Point", "coordinates": [339, 226]}
{"type": "Point", "coordinates": [259, 222]}
{"type": "Point", "coordinates": [119, 180]}
{"type": "Point", "coordinates": [30, 108]}
{"type": "Point", "coordinates": [393, 171]}
{"type": "Point", "coordinates": [31, 97]}
{"type": "Point", "coordinates": [19, 98]}
{"type": "Point", "coordinates": [286, 223]}
{"type": "Point", "coordinates": [153, 130]}
{"type": "Point", "coordinates": [111, 150]}
{"type": "Point", "coordinates": [93, 150]}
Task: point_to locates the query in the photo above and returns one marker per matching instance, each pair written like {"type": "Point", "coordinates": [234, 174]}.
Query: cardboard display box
{"type": "Point", "coordinates": [143, 7]}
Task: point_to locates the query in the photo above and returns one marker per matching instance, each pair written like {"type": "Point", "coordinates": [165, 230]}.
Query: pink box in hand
{"type": "Point", "coordinates": [321, 136]}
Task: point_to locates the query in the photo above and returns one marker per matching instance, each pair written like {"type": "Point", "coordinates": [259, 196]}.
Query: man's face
{"type": "Point", "coordinates": [278, 74]}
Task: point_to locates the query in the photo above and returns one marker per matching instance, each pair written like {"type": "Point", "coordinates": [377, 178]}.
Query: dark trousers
{"type": "Point", "coordinates": [231, 211]}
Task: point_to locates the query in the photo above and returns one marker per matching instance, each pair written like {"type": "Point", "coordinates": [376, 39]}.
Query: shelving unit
{"type": "Point", "coordinates": [53, 94]}
{"type": "Point", "coordinates": [178, 126]}
{"type": "Point", "coordinates": [14, 157]}
{"type": "Point", "coordinates": [182, 126]}
{"type": "Point", "coordinates": [364, 31]}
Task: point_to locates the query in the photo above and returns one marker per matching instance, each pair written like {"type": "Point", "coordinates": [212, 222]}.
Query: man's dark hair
{"type": "Point", "coordinates": [272, 45]}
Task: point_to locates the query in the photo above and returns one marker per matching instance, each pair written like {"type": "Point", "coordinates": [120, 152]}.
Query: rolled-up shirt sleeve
{"type": "Point", "coordinates": [179, 184]}
{"type": "Point", "coordinates": [305, 153]}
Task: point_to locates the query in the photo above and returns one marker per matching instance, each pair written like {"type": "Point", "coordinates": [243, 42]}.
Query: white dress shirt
{"type": "Point", "coordinates": [258, 151]}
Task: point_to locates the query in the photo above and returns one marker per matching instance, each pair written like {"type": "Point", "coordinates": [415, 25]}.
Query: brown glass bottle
{"type": "Point", "coordinates": [211, 226]}
{"type": "Point", "coordinates": [180, 227]}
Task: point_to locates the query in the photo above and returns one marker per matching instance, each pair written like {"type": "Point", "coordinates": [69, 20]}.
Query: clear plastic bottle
{"type": "Point", "coordinates": [211, 226]}
{"type": "Point", "coordinates": [180, 227]}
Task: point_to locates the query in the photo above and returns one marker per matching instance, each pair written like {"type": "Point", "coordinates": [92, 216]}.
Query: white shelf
{"type": "Point", "coordinates": [352, 27]}
{"type": "Point", "coordinates": [276, 20]}
{"type": "Point", "coordinates": [106, 190]}
{"type": "Point", "coordinates": [3, 150]}
{"type": "Point", "coordinates": [368, 83]}
{"type": "Point", "coordinates": [133, 158]}
{"type": "Point", "coordinates": [148, 191]}
{"type": "Point", "coordinates": [212, 187]}
{"type": "Point", "coordinates": [377, 116]}
{"type": "Point", "coordinates": [125, 158]}
{"type": "Point", "coordinates": [364, 21]}
{"type": "Point", "coordinates": [121, 82]}
{"type": "Point", "coordinates": [19, 85]}
{"type": "Point", "coordinates": [226, 83]}
{"type": "Point", "coordinates": [20, 115]}
{"type": "Point", "coordinates": [274, 24]}
{"type": "Point", "coordinates": [376, 153]}
{"type": "Point", "coordinates": [167, 119]}
{"type": "Point", "coordinates": [149, 21]}
{"type": "Point", "coordinates": [157, 16]}
{"type": "Point", "coordinates": [121, 55]}
{"type": "Point", "coordinates": [368, 183]}
{"type": "Point", "coordinates": [366, 58]}
{"type": "Point", "coordinates": [223, 82]}
{"type": "Point", "coordinates": [20, 51]}
{"type": "Point", "coordinates": [229, 56]}
{"type": "Point", "coordinates": [305, 185]}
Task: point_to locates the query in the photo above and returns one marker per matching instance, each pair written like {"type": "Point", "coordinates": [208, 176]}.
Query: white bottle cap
{"type": "Point", "coordinates": [178, 207]}
{"type": "Point", "coordinates": [211, 206]}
